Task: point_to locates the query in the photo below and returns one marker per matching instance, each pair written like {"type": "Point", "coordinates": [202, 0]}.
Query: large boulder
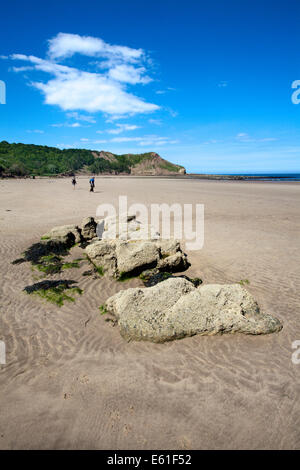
{"type": "Point", "coordinates": [134, 256]}
{"type": "Point", "coordinates": [119, 257]}
{"type": "Point", "coordinates": [134, 247]}
{"type": "Point", "coordinates": [69, 234]}
{"type": "Point", "coordinates": [102, 254]}
{"type": "Point", "coordinates": [175, 309]}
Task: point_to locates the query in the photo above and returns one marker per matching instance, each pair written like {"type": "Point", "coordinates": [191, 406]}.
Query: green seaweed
{"type": "Point", "coordinates": [71, 264]}
{"type": "Point", "coordinates": [54, 291]}
{"type": "Point", "coordinates": [244, 281]}
{"type": "Point", "coordinates": [103, 310]}
{"type": "Point", "coordinates": [49, 264]}
{"type": "Point", "coordinates": [99, 270]}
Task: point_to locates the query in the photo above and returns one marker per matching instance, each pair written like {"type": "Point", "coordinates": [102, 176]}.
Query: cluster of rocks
{"type": "Point", "coordinates": [118, 257]}
{"type": "Point", "coordinates": [122, 246]}
{"type": "Point", "coordinates": [175, 306]}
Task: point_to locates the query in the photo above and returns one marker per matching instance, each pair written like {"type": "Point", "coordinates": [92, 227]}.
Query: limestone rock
{"type": "Point", "coordinates": [125, 227]}
{"type": "Point", "coordinates": [103, 254]}
{"type": "Point", "coordinates": [69, 234]}
{"type": "Point", "coordinates": [118, 257]}
{"type": "Point", "coordinates": [171, 256]}
{"type": "Point", "coordinates": [134, 255]}
{"type": "Point", "coordinates": [88, 228]}
{"type": "Point", "coordinates": [175, 309]}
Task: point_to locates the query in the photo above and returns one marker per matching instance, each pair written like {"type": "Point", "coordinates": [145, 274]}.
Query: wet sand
{"type": "Point", "coordinates": [72, 382]}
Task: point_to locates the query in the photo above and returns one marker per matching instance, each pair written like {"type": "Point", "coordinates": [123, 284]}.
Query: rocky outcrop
{"type": "Point", "coordinates": [175, 308]}
{"type": "Point", "coordinates": [118, 257]}
{"type": "Point", "coordinates": [169, 307]}
{"type": "Point", "coordinates": [128, 247]}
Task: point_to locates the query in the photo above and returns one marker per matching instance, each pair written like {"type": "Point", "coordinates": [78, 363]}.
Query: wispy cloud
{"type": "Point", "coordinates": [67, 124]}
{"type": "Point", "coordinates": [66, 45]}
{"type": "Point", "coordinates": [222, 84]}
{"type": "Point", "coordinates": [147, 140]}
{"type": "Point", "coordinates": [73, 89]}
{"type": "Point", "coordinates": [35, 131]}
{"type": "Point", "coordinates": [244, 137]}
{"type": "Point", "coordinates": [121, 128]}
{"type": "Point", "coordinates": [81, 117]}
{"type": "Point", "coordinates": [156, 122]}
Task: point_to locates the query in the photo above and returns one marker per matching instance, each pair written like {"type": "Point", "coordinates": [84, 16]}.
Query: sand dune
{"type": "Point", "coordinates": [72, 382]}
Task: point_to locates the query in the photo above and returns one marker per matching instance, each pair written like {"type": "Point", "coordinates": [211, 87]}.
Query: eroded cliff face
{"type": "Point", "coordinates": [155, 165]}
{"type": "Point", "coordinates": [150, 164]}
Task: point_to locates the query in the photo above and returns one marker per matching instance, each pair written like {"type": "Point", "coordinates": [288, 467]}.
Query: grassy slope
{"type": "Point", "coordinates": [24, 159]}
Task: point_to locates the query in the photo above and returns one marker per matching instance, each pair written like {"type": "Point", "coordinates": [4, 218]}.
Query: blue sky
{"type": "Point", "coordinates": [205, 84]}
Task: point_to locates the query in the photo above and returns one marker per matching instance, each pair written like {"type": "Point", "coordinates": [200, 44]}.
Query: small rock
{"type": "Point", "coordinates": [64, 233]}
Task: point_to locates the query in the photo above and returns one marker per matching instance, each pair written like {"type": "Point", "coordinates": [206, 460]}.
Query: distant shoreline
{"type": "Point", "coordinates": [270, 177]}
{"type": "Point", "coordinates": [212, 177]}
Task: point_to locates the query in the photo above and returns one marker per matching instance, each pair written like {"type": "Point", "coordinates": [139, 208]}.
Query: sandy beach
{"type": "Point", "coordinates": [71, 382]}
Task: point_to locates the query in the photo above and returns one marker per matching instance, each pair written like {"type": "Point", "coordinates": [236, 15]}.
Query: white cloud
{"type": "Point", "coordinates": [66, 146]}
{"type": "Point", "coordinates": [66, 45]}
{"type": "Point", "coordinates": [121, 128]}
{"type": "Point", "coordinates": [91, 92]}
{"type": "Point", "coordinates": [244, 137]}
{"type": "Point", "coordinates": [66, 124]}
{"type": "Point", "coordinates": [36, 131]}
{"type": "Point", "coordinates": [93, 141]}
{"type": "Point", "coordinates": [171, 111]}
{"type": "Point", "coordinates": [157, 122]}
{"type": "Point", "coordinates": [162, 92]}
{"type": "Point", "coordinates": [22, 69]}
{"type": "Point", "coordinates": [129, 74]}
{"type": "Point", "coordinates": [126, 139]}
{"type": "Point", "coordinates": [145, 140]}
{"type": "Point", "coordinates": [81, 117]}
{"type": "Point", "coordinates": [74, 89]}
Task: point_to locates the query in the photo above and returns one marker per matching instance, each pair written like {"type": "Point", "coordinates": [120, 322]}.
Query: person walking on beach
{"type": "Point", "coordinates": [74, 182]}
{"type": "Point", "coordinates": [92, 184]}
